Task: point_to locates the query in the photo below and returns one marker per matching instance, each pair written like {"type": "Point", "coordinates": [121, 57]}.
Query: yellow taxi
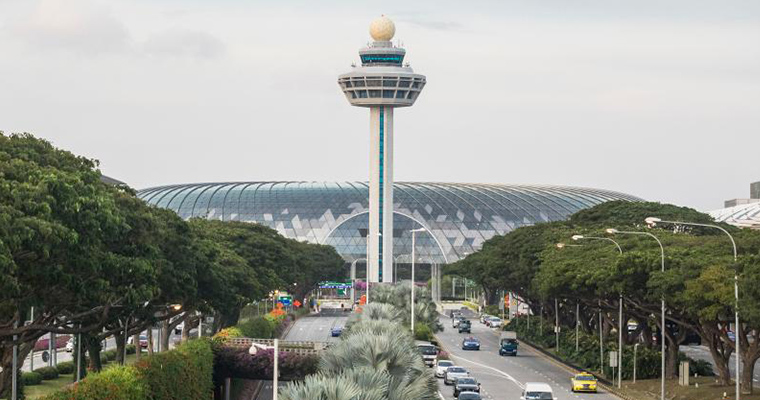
{"type": "Point", "coordinates": [583, 381]}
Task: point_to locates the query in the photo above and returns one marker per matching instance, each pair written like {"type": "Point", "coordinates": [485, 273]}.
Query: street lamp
{"type": "Point", "coordinates": [652, 221]}
{"type": "Point", "coordinates": [414, 234]}
{"type": "Point", "coordinates": [662, 302]}
{"type": "Point", "coordinates": [620, 303]}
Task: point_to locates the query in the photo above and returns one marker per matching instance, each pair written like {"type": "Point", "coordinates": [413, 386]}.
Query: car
{"type": "Point", "coordinates": [455, 323]}
{"type": "Point", "coordinates": [336, 331]}
{"type": "Point", "coordinates": [464, 326]}
{"type": "Point", "coordinates": [466, 384]}
{"type": "Point", "coordinates": [441, 365]}
{"type": "Point", "coordinates": [452, 373]}
{"type": "Point", "coordinates": [471, 344]}
{"type": "Point", "coordinates": [731, 336]}
{"type": "Point", "coordinates": [178, 329]}
{"type": "Point", "coordinates": [469, 395]}
{"type": "Point", "coordinates": [143, 341]}
{"type": "Point", "coordinates": [537, 391]}
{"type": "Point", "coordinates": [483, 318]}
{"type": "Point", "coordinates": [583, 382]}
{"type": "Point", "coordinates": [508, 343]}
{"type": "Point", "coordinates": [70, 345]}
{"type": "Point", "coordinates": [429, 352]}
{"type": "Point", "coordinates": [493, 322]}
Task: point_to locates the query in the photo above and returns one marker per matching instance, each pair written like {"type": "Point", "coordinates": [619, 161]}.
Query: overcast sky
{"type": "Point", "coordinates": [659, 99]}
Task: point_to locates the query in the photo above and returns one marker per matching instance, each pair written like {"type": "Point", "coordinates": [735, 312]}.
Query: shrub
{"type": "Point", "coordinates": [110, 355]}
{"type": "Point", "coordinates": [119, 382]}
{"type": "Point", "coordinates": [130, 349]}
{"type": "Point", "coordinates": [422, 332]}
{"type": "Point", "coordinates": [31, 378]}
{"type": "Point", "coordinates": [65, 368]}
{"type": "Point", "coordinates": [48, 373]}
{"type": "Point", "coordinates": [184, 373]}
{"type": "Point", "coordinates": [262, 327]}
{"type": "Point", "coordinates": [227, 333]}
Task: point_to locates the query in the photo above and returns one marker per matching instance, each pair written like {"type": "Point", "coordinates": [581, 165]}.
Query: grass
{"type": "Point", "coordinates": [32, 392]}
{"type": "Point", "coordinates": [707, 389]}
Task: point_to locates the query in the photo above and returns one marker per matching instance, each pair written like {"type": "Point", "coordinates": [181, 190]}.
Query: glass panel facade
{"type": "Point", "coordinates": [459, 217]}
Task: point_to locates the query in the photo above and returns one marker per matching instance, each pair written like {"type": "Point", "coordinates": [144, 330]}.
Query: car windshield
{"type": "Point", "coordinates": [445, 363]}
{"type": "Point", "coordinates": [456, 369]}
{"type": "Point", "coordinates": [428, 350]}
{"type": "Point", "coordinates": [584, 377]}
{"type": "Point", "coordinates": [469, 396]}
{"type": "Point", "coordinates": [471, 340]}
{"type": "Point", "coordinates": [538, 395]}
{"type": "Point", "coordinates": [466, 381]}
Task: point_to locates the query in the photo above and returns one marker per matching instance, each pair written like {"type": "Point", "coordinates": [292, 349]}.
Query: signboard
{"type": "Point", "coordinates": [613, 359]}
{"type": "Point", "coordinates": [334, 285]}
{"type": "Point", "coordinates": [45, 356]}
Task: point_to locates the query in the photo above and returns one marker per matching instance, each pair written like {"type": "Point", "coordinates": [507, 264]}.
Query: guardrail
{"type": "Point", "coordinates": [295, 347]}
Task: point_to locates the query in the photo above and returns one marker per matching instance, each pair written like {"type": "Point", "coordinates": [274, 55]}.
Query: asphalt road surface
{"type": "Point", "coordinates": [503, 377]}
{"type": "Point", "coordinates": [317, 327]}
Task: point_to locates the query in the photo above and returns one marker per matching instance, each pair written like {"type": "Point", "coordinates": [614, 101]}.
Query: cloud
{"type": "Point", "coordinates": [76, 26]}
{"type": "Point", "coordinates": [184, 43]}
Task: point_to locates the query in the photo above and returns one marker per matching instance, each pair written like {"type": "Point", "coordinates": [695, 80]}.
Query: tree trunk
{"type": "Point", "coordinates": [119, 338]}
{"type": "Point", "coordinates": [93, 347]}
{"type": "Point", "coordinates": [164, 326]}
{"type": "Point", "coordinates": [150, 340]}
{"type": "Point", "coordinates": [720, 352]}
{"type": "Point", "coordinates": [138, 347]}
{"type": "Point", "coordinates": [749, 356]}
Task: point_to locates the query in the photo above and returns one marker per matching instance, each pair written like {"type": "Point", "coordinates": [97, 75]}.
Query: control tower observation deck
{"type": "Point", "coordinates": [382, 83]}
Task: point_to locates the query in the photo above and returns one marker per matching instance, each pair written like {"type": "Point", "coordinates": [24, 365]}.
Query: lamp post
{"type": "Point", "coordinates": [652, 221]}
{"type": "Point", "coordinates": [414, 234]}
{"type": "Point", "coordinates": [662, 302]}
{"type": "Point", "coordinates": [620, 310]}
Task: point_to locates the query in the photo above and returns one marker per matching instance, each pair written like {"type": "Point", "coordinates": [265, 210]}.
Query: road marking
{"type": "Point", "coordinates": [509, 377]}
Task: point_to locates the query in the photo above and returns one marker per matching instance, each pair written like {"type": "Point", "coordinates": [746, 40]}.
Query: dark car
{"type": "Point", "coordinates": [467, 395]}
{"type": "Point", "coordinates": [466, 384]}
{"type": "Point", "coordinates": [336, 331]}
{"type": "Point", "coordinates": [471, 344]}
{"type": "Point", "coordinates": [464, 326]}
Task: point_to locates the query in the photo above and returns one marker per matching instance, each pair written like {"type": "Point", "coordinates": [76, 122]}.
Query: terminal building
{"type": "Point", "coordinates": [458, 217]}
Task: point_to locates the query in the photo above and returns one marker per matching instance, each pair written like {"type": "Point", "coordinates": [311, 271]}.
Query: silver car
{"type": "Point", "coordinates": [452, 373]}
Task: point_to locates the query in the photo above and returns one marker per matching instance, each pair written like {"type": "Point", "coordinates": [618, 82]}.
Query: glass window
{"type": "Point", "coordinates": [374, 93]}
{"type": "Point", "coordinates": [403, 84]}
{"type": "Point", "coordinates": [389, 83]}
{"type": "Point", "coordinates": [388, 94]}
{"type": "Point", "coordinates": [362, 94]}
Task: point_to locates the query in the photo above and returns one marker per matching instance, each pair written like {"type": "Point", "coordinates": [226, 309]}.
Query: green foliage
{"type": "Point", "coordinates": [423, 332]}
{"type": "Point", "coordinates": [131, 350]}
{"type": "Point", "coordinates": [48, 373]}
{"type": "Point", "coordinates": [31, 378]}
{"type": "Point", "coordinates": [110, 355]}
{"type": "Point", "coordinates": [118, 382]}
{"type": "Point", "coordinates": [184, 373]}
{"type": "Point", "coordinates": [261, 327]}
{"type": "Point", "coordinates": [65, 368]}
{"type": "Point", "coordinates": [181, 373]}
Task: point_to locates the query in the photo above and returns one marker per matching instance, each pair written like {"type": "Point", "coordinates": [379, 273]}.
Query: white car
{"type": "Point", "coordinates": [493, 322]}
{"type": "Point", "coordinates": [537, 391]}
{"type": "Point", "coordinates": [454, 372]}
{"type": "Point", "coordinates": [441, 366]}
{"type": "Point", "coordinates": [70, 345]}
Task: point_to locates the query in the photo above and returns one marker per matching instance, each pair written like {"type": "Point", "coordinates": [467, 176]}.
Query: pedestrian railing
{"type": "Point", "coordinates": [295, 347]}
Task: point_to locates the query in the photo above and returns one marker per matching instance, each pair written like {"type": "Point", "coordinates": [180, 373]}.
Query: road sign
{"type": "Point", "coordinates": [613, 359]}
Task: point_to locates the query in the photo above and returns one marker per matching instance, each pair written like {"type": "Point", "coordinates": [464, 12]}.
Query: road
{"type": "Point", "coordinates": [703, 353]}
{"type": "Point", "coordinates": [503, 378]}
{"type": "Point", "coordinates": [316, 327]}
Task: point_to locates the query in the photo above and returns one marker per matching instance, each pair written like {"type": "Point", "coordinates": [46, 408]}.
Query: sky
{"type": "Point", "coordinates": [655, 98]}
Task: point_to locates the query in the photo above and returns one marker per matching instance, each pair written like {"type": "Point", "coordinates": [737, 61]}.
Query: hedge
{"type": "Point", "coordinates": [119, 382]}
{"type": "Point", "coordinates": [48, 373]}
{"type": "Point", "coordinates": [65, 368]}
{"type": "Point", "coordinates": [260, 327]}
{"type": "Point", "coordinates": [183, 373]}
{"type": "Point", "coordinates": [31, 378]}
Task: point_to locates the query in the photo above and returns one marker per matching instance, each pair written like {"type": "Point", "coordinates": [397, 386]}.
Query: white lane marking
{"type": "Point", "coordinates": [509, 377]}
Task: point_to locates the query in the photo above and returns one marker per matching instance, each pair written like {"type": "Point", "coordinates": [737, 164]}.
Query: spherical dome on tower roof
{"type": "Point", "coordinates": [382, 29]}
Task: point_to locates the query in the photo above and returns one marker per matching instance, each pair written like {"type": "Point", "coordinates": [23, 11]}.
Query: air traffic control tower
{"type": "Point", "coordinates": [382, 83]}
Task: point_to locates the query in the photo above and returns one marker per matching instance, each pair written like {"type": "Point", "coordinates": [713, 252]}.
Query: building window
{"type": "Point", "coordinates": [388, 94]}
{"type": "Point", "coordinates": [374, 93]}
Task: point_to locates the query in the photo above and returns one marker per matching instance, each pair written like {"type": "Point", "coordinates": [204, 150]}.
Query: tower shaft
{"type": "Point", "coordinates": [381, 194]}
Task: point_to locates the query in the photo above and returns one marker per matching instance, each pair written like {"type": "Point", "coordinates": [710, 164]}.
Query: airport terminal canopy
{"type": "Point", "coordinates": [458, 217]}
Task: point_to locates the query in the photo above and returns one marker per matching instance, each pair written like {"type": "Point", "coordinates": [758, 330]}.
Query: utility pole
{"type": "Point", "coordinates": [577, 323]}
{"type": "Point", "coordinates": [276, 369]}
{"type": "Point", "coordinates": [556, 324]}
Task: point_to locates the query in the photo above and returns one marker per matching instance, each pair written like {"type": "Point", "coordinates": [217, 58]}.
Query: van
{"type": "Point", "coordinates": [537, 391]}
